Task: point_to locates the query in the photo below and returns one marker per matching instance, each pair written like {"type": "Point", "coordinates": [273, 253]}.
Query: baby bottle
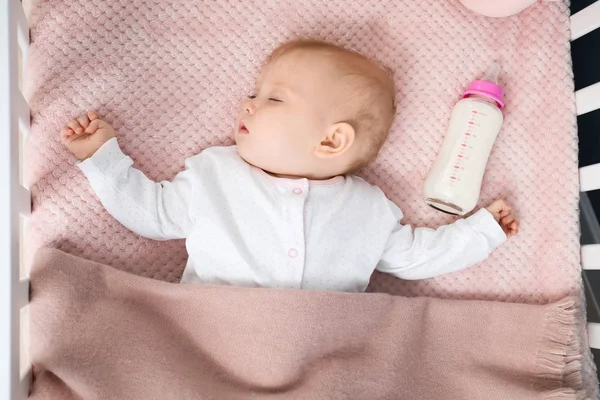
{"type": "Point", "coordinates": [454, 181]}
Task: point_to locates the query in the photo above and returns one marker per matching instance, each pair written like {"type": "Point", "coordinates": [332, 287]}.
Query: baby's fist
{"type": "Point", "coordinates": [503, 214]}
{"type": "Point", "coordinates": [86, 134]}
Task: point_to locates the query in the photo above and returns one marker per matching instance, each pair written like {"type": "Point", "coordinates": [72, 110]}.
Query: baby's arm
{"type": "Point", "coordinates": [155, 210]}
{"type": "Point", "coordinates": [424, 253]}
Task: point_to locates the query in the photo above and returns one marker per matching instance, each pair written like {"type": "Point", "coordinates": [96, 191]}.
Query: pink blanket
{"type": "Point", "coordinates": [170, 74]}
{"type": "Point", "coordinates": [100, 333]}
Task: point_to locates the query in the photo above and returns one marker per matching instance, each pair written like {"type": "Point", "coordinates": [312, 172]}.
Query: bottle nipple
{"type": "Point", "coordinates": [491, 75]}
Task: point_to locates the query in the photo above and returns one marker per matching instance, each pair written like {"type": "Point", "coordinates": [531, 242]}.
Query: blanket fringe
{"type": "Point", "coordinates": [559, 361]}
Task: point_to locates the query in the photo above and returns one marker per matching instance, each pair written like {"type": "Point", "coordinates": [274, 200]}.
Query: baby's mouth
{"type": "Point", "coordinates": [242, 129]}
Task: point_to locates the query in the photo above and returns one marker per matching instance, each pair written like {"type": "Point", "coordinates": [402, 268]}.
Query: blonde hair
{"type": "Point", "coordinates": [370, 88]}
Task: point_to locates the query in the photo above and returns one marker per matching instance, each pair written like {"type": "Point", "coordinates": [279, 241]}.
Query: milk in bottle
{"type": "Point", "coordinates": [454, 181]}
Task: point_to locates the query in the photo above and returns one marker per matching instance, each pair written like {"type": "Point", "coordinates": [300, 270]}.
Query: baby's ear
{"type": "Point", "coordinates": [338, 139]}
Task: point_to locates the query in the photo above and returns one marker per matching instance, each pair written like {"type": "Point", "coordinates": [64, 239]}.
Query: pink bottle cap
{"type": "Point", "coordinates": [487, 89]}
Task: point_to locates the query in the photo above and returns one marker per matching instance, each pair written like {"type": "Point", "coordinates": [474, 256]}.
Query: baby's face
{"type": "Point", "coordinates": [287, 116]}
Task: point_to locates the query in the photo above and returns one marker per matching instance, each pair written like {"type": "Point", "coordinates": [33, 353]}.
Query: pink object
{"type": "Point", "coordinates": [170, 75]}
{"type": "Point", "coordinates": [100, 333]}
{"type": "Point", "coordinates": [297, 191]}
{"type": "Point", "coordinates": [487, 89]}
{"type": "Point", "coordinates": [293, 253]}
{"type": "Point", "coordinates": [495, 8]}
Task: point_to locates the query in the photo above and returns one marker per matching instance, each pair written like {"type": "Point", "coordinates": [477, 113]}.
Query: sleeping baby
{"type": "Point", "coordinates": [282, 208]}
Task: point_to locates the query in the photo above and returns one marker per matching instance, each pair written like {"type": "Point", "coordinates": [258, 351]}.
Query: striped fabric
{"type": "Point", "coordinates": [585, 51]}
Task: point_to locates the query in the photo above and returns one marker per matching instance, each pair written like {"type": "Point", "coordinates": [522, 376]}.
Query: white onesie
{"type": "Point", "coordinates": [244, 227]}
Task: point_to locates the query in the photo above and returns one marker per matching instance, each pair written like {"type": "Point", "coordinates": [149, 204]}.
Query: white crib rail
{"type": "Point", "coordinates": [585, 21]}
{"type": "Point", "coordinates": [15, 200]}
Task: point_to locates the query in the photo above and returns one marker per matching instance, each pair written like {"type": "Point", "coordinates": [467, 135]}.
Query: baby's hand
{"type": "Point", "coordinates": [86, 134]}
{"type": "Point", "coordinates": [503, 214]}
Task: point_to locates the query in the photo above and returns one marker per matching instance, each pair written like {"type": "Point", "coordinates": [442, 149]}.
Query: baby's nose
{"type": "Point", "coordinates": [249, 106]}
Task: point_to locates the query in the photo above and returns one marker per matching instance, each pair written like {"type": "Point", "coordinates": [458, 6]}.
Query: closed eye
{"type": "Point", "coordinates": [253, 96]}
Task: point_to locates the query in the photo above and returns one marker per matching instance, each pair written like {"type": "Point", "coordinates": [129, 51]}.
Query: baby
{"type": "Point", "coordinates": [282, 208]}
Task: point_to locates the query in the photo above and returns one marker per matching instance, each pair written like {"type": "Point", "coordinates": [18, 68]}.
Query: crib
{"type": "Point", "coordinates": [15, 200]}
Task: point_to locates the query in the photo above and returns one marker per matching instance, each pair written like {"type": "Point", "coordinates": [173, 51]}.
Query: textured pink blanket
{"type": "Point", "coordinates": [100, 333]}
{"type": "Point", "coordinates": [169, 76]}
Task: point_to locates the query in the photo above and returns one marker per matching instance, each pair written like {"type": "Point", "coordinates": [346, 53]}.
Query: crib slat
{"type": "Point", "coordinates": [590, 256]}
{"type": "Point", "coordinates": [22, 293]}
{"type": "Point", "coordinates": [14, 198]}
{"type": "Point", "coordinates": [24, 385]}
{"type": "Point", "coordinates": [22, 110]}
{"type": "Point", "coordinates": [589, 178]}
{"type": "Point", "coordinates": [585, 20]}
{"type": "Point", "coordinates": [22, 200]}
{"type": "Point", "coordinates": [588, 99]}
{"type": "Point", "coordinates": [22, 28]}
{"type": "Point", "coordinates": [594, 334]}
